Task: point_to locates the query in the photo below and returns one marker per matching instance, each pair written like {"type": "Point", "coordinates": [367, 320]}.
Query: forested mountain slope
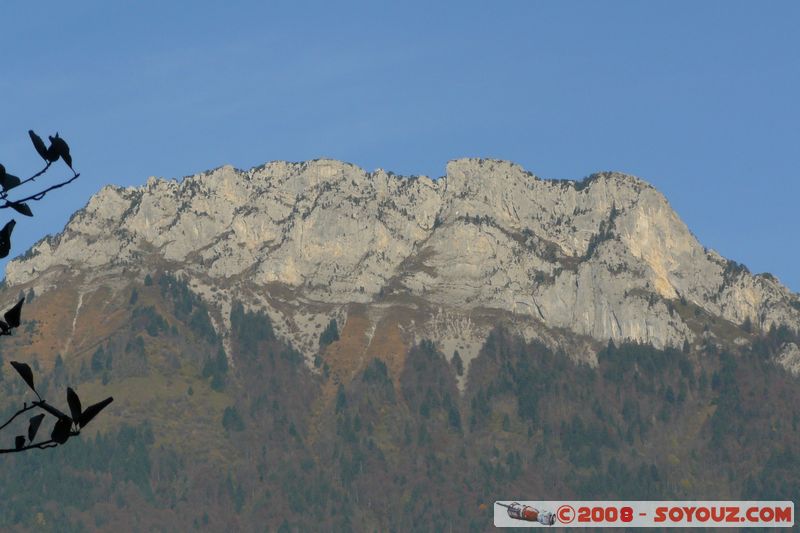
{"type": "Point", "coordinates": [194, 442]}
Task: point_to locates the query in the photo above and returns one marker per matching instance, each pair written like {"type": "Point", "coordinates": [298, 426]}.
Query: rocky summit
{"type": "Point", "coordinates": [412, 257]}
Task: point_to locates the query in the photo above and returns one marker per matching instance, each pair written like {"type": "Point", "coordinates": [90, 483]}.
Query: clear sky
{"type": "Point", "coordinates": [701, 99]}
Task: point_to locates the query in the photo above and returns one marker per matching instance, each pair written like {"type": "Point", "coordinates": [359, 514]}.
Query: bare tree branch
{"type": "Point", "coordinates": [39, 446]}
{"type": "Point", "coordinates": [41, 194]}
{"type": "Point", "coordinates": [25, 408]}
{"type": "Point", "coordinates": [4, 194]}
{"type": "Point", "coordinates": [66, 426]}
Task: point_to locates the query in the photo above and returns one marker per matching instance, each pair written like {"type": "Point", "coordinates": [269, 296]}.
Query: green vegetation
{"type": "Point", "coordinates": [101, 361]}
{"type": "Point", "coordinates": [77, 477]}
{"type": "Point", "coordinates": [216, 368]}
{"type": "Point", "coordinates": [457, 363]}
{"type": "Point", "coordinates": [376, 372]}
{"type": "Point", "coordinates": [329, 334]}
{"type": "Point", "coordinates": [250, 328]}
{"type": "Point", "coordinates": [150, 320]}
{"type": "Point", "coordinates": [188, 307]}
{"type": "Point", "coordinates": [267, 443]}
{"type": "Point", "coordinates": [231, 420]}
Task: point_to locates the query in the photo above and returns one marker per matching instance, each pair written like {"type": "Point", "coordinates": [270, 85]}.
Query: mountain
{"type": "Point", "coordinates": [606, 258]}
{"type": "Point", "coordinates": [302, 346]}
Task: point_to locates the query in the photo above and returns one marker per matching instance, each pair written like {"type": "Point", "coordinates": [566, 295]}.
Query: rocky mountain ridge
{"type": "Point", "coordinates": [606, 257]}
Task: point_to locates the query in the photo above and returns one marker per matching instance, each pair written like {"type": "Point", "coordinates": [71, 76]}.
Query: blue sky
{"type": "Point", "coordinates": [699, 98]}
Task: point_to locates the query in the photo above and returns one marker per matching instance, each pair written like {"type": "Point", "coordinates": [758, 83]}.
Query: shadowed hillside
{"type": "Point", "coordinates": [195, 440]}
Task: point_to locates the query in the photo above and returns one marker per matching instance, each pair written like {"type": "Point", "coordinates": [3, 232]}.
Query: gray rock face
{"type": "Point", "coordinates": [606, 257]}
{"type": "Point", "coordinates": [789, 358]}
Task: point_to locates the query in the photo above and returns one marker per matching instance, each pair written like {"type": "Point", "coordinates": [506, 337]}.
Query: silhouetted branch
{"type": "Point", "coordinates": [40, 446]}
{"type": "Point", "coordinates": [65, 426]}
{"type": "Point", "coordinates": [51, 443]}
{"type": "Point", "coordinates": [26, 407]}
{"type": "Point", "coordinates": [50, 409]}
{"type": "Point", "coordinates": [4, 194]}
{"type": "Point", "coordinates": [41, 194]}
{"type": "Point", "coordinates": [58, 149]}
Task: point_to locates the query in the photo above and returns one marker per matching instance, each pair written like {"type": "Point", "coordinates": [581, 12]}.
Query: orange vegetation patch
{"type": "Point", "coordinates": [359, 342]}
{"type": "Point", "coordinates": [52, 326]}
{"type": "Point", "coordinates": [54, 323]}
{"type": "Point", "coordinates": [98, 318]}
{"type": "Point", "coordinates": [362, 340]}
{"type": "Point", "coordinates": [388, 345]}
{"type": "Point", "coordinates": [345, 357]}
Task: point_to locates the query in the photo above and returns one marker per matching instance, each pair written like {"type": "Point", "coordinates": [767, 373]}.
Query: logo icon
{"type": "Point", "coordinates": [566, 514]}
{"type": "Point", "coordinates": [527, 513]}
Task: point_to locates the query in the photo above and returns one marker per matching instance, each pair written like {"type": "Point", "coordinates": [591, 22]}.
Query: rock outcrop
{"type": "Point", "coordinates": [605, 257]}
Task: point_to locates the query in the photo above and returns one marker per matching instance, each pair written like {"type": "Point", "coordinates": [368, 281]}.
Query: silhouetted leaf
{"type": "Point", "coordinates": [91, 411]}
{"type": "Point", "coordinates": [19, 442]}
{"type": "Point", "coordinates": [33, 426]}
{"type": "Point", "coordinates": [60, 147]}
{"type": "Point", "coordinates": [26, 373]}
{"type": "Point", "coordinates": [13, 315]}
{"type": "Point", "coordinates": [38, 143]}
{"type": "Point", "coordinates": [60, 432]}
{"type": "Point", "coordinates": [21, 208]}
{"type": "Point", "coordinates": [52, 153]}
{"type": "Point", "coordinates": [8, 181]}
{"type": "Point", "coordinates": [5, 238]}
{"type": "Point", "coordinates": [74, 404]}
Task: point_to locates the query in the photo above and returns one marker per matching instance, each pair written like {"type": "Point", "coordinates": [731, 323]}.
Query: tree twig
{"type": "Point", "coordinates": [39, 195]}
{"type": "Point", "coordinates": [26, 408]}
{"type": "Point", "coordinates": [4, 194]}
{"type": "Point", "coordinates": [41, 404]}
{"type": "Point", "coordinates": [39, 446]}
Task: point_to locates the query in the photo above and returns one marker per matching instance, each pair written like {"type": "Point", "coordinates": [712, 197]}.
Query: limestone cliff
{"type": "Point", "coordinates": [605, 257]}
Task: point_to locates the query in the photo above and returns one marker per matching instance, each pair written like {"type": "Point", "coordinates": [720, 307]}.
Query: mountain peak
{"type": "Point", "coordinates": [604, 257]}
